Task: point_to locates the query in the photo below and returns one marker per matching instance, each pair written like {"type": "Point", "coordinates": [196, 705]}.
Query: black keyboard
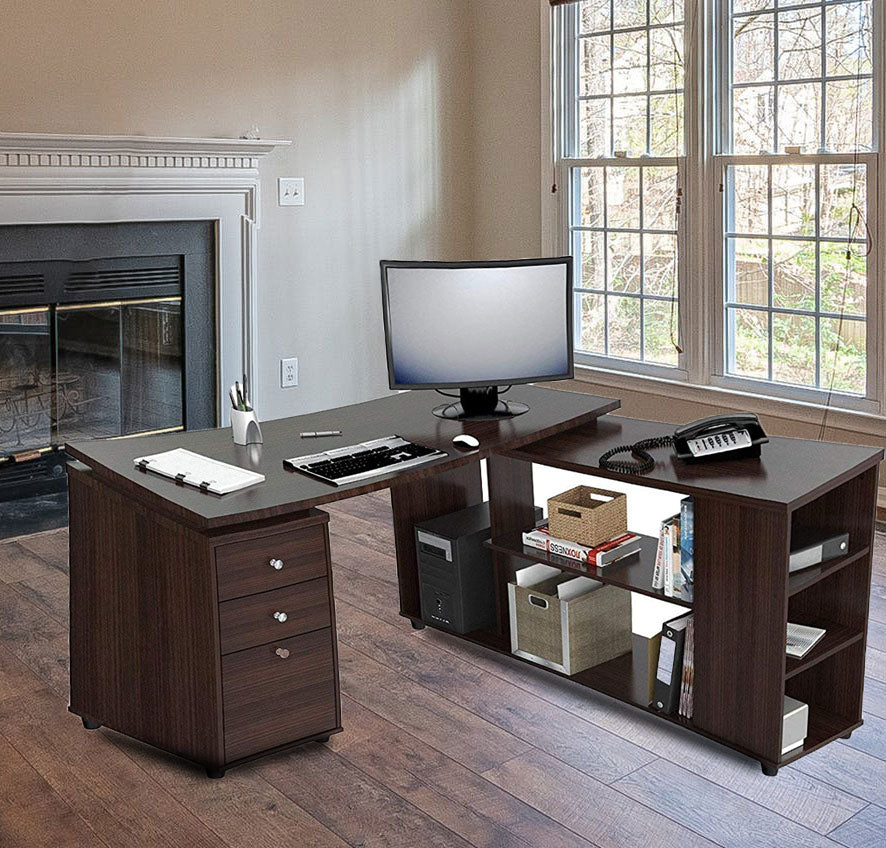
{"type": "Point", "coordinates": [359, 462]}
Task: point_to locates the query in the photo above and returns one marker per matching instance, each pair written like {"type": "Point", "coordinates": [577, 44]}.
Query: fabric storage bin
{"type": "Point", "coordinates": [567, 623]}
{"type": "Point", "coordinates": [588, 516]}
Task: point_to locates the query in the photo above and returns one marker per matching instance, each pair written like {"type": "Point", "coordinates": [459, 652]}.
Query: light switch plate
{"type": "Point", "coordinates": [291, 191]}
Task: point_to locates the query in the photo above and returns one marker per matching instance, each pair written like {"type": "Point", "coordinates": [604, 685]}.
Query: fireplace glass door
{"type": "Point", "coordinates": [119, 368]}
{"type": "Point", "coordinates": [25, 380]}
{"type": "Point", "coordinates": [89, 370]}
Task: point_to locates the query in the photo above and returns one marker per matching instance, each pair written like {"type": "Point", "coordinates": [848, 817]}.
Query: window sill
{"type": "Point", "coordinates": [870, 422]}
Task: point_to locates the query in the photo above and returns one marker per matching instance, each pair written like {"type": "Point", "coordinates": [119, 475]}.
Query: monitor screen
{"type": "Point", "coordinates": [451, 325]}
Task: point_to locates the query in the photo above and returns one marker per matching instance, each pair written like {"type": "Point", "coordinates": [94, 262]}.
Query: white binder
{"type": "Point", "coordinates": [193, 469]}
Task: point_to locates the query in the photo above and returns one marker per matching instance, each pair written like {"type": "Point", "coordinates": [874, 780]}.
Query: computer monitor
{"type": "Point", "coordinates": [477, 326]}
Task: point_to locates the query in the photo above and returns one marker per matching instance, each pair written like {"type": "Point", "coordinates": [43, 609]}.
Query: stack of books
{"type": "Point", "coordinates": [615, 549]}
{"type": "Point", "coordinates": [674, 571]}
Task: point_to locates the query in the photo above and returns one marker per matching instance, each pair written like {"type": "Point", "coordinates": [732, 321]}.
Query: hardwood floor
{"type": "Point", "coordinates": [444, 745]}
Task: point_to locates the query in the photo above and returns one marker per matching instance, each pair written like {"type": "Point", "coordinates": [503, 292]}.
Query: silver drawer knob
{"type": "Point", "coordinates": [281, 616]}
{"type": "Point", "coordinates": [277, 564]}
{"type": "Point", "coordinates": [283, 653]}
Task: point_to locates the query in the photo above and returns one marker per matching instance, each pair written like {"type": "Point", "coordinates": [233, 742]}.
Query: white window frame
{"type": "Point", "coordinates": [701, 233]}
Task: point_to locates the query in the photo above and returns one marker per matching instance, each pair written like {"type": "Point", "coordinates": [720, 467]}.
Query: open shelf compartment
{"type": "Point", "coordinates": [633, 573]}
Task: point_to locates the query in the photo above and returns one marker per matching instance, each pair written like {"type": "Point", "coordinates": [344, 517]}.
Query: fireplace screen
{"type": "Point", "coordinates": [88, 370]}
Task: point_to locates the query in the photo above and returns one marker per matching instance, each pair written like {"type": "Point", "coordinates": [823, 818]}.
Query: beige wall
{"type": "Point", "coordinates": [507, 117]}
{"type": "Point", "coordinates": [376, 95]}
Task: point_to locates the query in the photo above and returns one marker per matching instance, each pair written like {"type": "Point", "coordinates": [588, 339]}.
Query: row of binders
{"type": "Point", "coordinates": [675, 673]}
{"type": "Point", "coordinates": [674, 571]}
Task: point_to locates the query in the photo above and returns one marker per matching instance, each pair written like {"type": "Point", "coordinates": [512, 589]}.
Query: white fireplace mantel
{"type": "Point", "coordinates": [56, 179]}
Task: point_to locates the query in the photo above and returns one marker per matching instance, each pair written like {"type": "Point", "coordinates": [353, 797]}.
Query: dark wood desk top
{"type": "Point", "coordinates": [788, 474]}
{"type": "Point", "coordinates": [284, 492]}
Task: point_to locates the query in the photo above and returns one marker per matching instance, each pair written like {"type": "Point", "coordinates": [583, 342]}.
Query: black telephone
{"type": "Point", "coordinates": [734, 435]}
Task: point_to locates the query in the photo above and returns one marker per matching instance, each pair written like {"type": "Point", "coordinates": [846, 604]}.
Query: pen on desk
{"type": "Point", "coordinates": [233, 395]}
{"type": "Point", "coordinates": [319, 434]}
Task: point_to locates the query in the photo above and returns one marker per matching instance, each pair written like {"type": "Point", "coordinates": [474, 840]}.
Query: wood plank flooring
{"type": "Point", "coordinates": [444, 745]}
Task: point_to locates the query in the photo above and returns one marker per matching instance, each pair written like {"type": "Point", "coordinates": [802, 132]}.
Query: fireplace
{"type": "Point", "coordinates": [105, 330]}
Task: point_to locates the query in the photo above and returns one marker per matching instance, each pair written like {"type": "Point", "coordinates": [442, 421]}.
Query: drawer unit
{"type": "Point", "coordinates": [270, 562]}
{"type": "Point", "coordinates": [278, 614]}
{"type": "Point", "coordinates": [279, 693]}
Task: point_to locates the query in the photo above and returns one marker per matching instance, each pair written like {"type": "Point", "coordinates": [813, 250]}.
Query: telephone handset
{"type": "Point", "coordinates": [734, 435]}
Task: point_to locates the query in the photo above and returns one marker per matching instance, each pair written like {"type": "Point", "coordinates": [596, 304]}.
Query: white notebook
{"type": "Point", "coordinates": [802, 639]}
{"type": "Point", "coordinates": [204, 473]}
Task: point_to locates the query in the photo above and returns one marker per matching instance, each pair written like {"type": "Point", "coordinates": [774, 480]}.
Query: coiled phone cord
{"type": "Point", "coordinates": [642, 463]}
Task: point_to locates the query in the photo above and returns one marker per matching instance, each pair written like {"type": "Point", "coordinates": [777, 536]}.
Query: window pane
{"type": "Point", "coordinates": [843, 355]}
{"type": "Point", "coordinates": [842, 187]}
{"type": "Point", "coordinates": [660, 264]}
{"type": "Point", "coordinates": [623, 314]}
{"type": "Point", "coordinates": [666, 58]}
{"type": "Point", "coordinates": [844, 279]}
{"type": "Point", "coordinates": [793, 349]}
{"type": "Point", "coordinates": [799, 116]}
{"type": "Point", "coordinates": [753, 121]}
{"type": "Point", "coordinates": [591, 197]}
{"type": "Point", "coordinates": [799, 44]}
{"type": "Point", "coordinates": [623, 198]}
{"type": "Point", "coordinates": [749, 331]}
{"type": "Point", "coordinates": [660, 331]}
{"type": "Point", "coordinates": [793, 274]}
{"type": "Point", "coordinates": [750, 205]}
{"type": "Point", "coordinates": [849, 115]}
{"type": "Point", "coordinates": [667, 125]}
{"type": "Point", "coordinates": [624, 262]}
{"type": "Point", "coordinates": [753, 51]}
{"type": "Point", "coordinates": [749, 281]}
{"type": "Point", "coordinates": [594, 66]}
{"type": "Point", "coordinates": [594, 132]}
{"type": "Point", "coordinates": [751, 5]}
{"type": "Point", "coordinates": [630, 13]}
{"type": "Point", "coordinates": [592, 316]}
{"type": "Point", "coordinates": [793, 200]}
{"type": "Point", "coordinates": [629, 124]}
{"type": "Point", "coordinates": [629, 62]}
{"type": "Point", "coordinates": [593, 268]}
{"type": "Point", "coordinates": [849, 30]}
{"type": "Point", "coordinates": [665, 11]}
{"type": "Point", "coordinates": [594, 15]}
{"type": "Point", "coordinates": [659, 198]}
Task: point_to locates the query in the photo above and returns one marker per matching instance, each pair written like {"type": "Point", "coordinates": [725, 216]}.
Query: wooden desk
{"type": "Point", "coordinates": [173, 639]}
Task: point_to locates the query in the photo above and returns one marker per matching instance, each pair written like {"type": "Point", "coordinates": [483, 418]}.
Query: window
{"type": "Point", "coordinates": [627, 131]}
{"type": "Point", "coordinates": [761, 152]}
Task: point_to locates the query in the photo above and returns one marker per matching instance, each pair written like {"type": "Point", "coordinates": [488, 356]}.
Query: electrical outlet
{"type": "Point", "coordinates": [291, 191]}
{"type": "Point", "coordinates": [288, 373]}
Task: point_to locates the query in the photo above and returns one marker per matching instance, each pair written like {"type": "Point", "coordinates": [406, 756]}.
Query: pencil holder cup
{"type": "Point", "coordinates": [245, 427]}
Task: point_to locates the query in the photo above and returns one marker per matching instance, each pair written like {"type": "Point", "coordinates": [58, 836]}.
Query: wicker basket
{"type": "Point", "coordinates": [568, 634]}
{"type": "Point", "coordinates": [588, 516]}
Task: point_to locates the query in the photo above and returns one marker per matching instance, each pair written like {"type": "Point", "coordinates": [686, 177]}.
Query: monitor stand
{"type": "Point", "coordinates": [480, 404]}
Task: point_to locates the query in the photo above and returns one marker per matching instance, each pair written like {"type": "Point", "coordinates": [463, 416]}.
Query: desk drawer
{"type": "Point", "coordinates": [279, 614]}
{"type": "Point", "coordinates": [269, 562]}
{"type": "Point", "coordinates": [272, 700]}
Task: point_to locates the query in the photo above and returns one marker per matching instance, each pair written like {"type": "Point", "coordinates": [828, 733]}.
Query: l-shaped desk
{"type": "Point", "coordinates": [175, 641]}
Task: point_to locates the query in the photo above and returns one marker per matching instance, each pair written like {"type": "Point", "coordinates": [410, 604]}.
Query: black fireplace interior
{"type": "Point", "coordinates": [105, 330]}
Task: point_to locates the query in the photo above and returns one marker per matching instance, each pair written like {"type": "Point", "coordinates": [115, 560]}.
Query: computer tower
{"type": "Point", "coordinates": [455, 570]}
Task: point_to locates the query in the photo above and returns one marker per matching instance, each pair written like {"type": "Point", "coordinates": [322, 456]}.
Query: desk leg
{"type": "Point", "coordinates": [428, 497]}
{"type": "Point", "coordinates": [511, 508]}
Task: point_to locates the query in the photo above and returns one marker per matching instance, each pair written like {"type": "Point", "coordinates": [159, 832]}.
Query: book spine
{"type": "Point", "coordinates": [531, 540]}
{"type": "Point", "coordinates": [668, 563]}
{"type": "Point", "coordinates": [687, 548]}
{"type": "Point", "coordinates": [658, 572]}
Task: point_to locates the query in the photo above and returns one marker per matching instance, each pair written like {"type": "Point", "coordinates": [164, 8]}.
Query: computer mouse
{"type": "Point", "coordinates": [465, 442]}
